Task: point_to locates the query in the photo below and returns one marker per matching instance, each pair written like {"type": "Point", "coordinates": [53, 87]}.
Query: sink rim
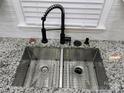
{"type": "Point", "coordinates": [96, 62]}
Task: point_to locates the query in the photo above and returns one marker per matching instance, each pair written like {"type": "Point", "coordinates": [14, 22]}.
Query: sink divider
{"type": "Point", "coordinates": [61, 69]}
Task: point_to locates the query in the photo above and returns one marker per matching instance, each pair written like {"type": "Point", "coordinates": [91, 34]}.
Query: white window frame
{"type": "Point", "coordinates": [101, 24]}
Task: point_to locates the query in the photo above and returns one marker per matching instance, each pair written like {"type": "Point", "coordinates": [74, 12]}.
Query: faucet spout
{"type": "Point", "coordinates": [62, 35]}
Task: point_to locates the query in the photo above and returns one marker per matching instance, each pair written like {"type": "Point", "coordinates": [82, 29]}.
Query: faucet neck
{"type": "Point", "coordinates": [55, 6]}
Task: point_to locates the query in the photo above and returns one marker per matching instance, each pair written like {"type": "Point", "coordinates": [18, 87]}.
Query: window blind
{"type": "Point", "coordinates": [84, 13]}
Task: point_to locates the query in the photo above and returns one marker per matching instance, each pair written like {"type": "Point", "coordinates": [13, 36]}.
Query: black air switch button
{"type": "Point", "coordinates": [77, 43]}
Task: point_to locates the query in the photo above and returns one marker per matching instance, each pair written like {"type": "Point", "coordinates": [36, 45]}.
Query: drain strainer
{"type": "Point", "coordinates": [78, 69]}
{"type": "Point", "coordinates": [44, 69]}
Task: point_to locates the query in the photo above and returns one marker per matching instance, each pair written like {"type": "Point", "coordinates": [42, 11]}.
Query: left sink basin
{"type": "Point", "coordinates": [39, 67]}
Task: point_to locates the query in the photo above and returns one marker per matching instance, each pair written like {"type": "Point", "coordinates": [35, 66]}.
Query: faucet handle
{"type": "Point", "coordinates": [68, 40]}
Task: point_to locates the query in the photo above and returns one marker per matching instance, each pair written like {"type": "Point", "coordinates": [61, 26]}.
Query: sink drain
{"type": "Point", "coordinates": [78, 69]}
{"type": "Point", "coordinates": [44, 69]}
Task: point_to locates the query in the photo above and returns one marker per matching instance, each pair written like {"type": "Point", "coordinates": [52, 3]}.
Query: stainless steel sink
{"type": "Point", "coordinates": [89, 60]}
{"type": "Point", "coordinates": [39, 67]}
{"type": "Point", "coordinates": [55, 67]}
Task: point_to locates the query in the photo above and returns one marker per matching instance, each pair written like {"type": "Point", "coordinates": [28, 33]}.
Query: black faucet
{"type": "Point", "coordinates": [62, 35]}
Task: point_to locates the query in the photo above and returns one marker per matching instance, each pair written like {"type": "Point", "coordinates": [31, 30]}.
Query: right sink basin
{"type": "Point", "coordinates": [83, 68]}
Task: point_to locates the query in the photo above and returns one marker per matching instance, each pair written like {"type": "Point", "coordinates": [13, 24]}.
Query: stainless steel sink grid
{"type": "Point", "coordinates": [55, 67]}
{"type": "Point", "coordinates": [89, 59]}
{"type": "Point", "coordinates": [82, 58]}
{"type": "Point", "coordinates": [36, 76]}
{"type": "Point", "coordinates": [44, 71]}
{"type": "Point", "coordinates": [86, 80]}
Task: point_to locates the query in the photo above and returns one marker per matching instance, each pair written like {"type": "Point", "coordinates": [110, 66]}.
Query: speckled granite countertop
{"type": "Point", "coordinates": [11, 50]}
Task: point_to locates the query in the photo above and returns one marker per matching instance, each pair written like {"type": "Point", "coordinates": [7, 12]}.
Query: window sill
{"type": "Point", "coordinates": [87, 29]}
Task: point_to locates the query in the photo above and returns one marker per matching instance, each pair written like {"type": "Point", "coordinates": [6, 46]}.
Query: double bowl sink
{"type": "Point", "coordinates": [61, 68]}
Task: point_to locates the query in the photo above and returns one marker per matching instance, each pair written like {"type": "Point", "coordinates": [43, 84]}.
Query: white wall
{"type": "Point", "coordinates": [114, 24]}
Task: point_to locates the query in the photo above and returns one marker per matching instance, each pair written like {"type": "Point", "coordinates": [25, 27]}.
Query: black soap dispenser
{"type": "Point", "coordinates": [86, 42]}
